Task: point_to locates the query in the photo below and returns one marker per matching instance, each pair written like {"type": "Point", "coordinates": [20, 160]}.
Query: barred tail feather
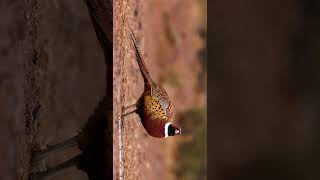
{"type": "Point", "coordinates": [143, 68]}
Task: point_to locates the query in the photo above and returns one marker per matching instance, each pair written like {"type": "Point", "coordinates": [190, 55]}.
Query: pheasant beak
{"type": "Point", "coordinates": [178, 131]}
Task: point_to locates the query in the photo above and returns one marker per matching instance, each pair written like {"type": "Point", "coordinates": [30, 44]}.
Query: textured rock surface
{"type": "Point", "coordinates": [168, 38]}
{"type": "Point", "coordinates": [51, 78]}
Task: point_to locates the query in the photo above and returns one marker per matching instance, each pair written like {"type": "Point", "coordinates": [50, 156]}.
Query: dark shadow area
{"type": "Point", "coordinates": [96, 146]}
{"type": "Point", "coordinates": [95, 138]}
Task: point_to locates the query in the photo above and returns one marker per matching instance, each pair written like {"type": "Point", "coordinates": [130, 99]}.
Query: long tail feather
{"type": "Point", "coordinates": [143, 68]}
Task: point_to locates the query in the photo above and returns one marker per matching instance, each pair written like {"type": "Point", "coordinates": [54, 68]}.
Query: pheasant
{"type": "Point", "coordinates": [154, 106]}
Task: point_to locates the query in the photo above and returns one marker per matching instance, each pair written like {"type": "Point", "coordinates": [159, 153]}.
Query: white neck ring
{"type": "Point", "coordinates": [166, 129]}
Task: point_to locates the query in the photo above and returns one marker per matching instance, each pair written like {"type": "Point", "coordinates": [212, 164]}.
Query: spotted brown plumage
{"type": "Point", "coordinates": [154, 106]}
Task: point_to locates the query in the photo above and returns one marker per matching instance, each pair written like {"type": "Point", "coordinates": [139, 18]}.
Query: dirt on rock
{"type": "Point", "coordinates": [168, 36]}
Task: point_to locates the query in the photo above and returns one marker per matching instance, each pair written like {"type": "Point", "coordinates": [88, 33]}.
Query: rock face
{"type": "Point", "coordinates": [51, 78]}
{"type": "Point", "coordinates": [169, 41]}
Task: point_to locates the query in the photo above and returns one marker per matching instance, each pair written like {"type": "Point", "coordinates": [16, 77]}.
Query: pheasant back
{"type": "Point", "coordinates": [162, 97]}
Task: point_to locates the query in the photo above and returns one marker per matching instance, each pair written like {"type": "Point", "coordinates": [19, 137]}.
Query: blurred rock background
{"type": "Point", "coordinates": [265, 90]}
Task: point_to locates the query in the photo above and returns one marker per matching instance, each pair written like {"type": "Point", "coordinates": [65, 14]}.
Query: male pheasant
{"type": "Point", "coordinates": [154, 106]}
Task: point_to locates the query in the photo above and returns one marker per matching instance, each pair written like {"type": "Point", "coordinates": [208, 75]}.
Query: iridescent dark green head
{"type": "Point", "coordinates": [171, 130]}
